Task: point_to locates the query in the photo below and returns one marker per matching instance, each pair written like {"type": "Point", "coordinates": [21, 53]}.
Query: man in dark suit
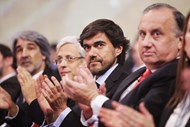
{"type": "Point", "coordinates": [159, 41]}
{"type": "Point", "coordinates": [8, 79]}
{"type": "Point", "coordinates": [105, 47]}
{"type": "Point", "coordinates": [32, 52]}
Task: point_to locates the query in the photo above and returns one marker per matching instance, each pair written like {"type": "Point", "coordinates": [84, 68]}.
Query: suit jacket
{"type": "Point", "coordinates": [114, 80]}
{"type": "Point", "coordinates": [154, 91]}
{"type": "Point", "coordinates": [11, 85]}
{"type": "Point", "coordinates": [166, 115]}
{"type": "Point", "coordinates": [24, 118]}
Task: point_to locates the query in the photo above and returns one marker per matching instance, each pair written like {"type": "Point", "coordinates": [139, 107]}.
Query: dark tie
{"type": "Point", "coordinates": [98, 85]}
{"type": "Point", "coordinates": [144, 75]}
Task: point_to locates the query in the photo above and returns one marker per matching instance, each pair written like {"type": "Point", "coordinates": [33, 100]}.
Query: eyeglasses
{"type": "Point", "coordinates": [68, 59]}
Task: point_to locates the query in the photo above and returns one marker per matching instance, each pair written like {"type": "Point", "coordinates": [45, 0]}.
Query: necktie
{"type": "Point", "coordinates": [91, 125]}
{"type": "Point", "coordinates": [144, 75]}
{"type": "Point", "coordinates": [35, 125]}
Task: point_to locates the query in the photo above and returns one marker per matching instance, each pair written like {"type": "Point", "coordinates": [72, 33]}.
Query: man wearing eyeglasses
{"type": "Point", "coordinates": [70, 55]}
{"type": "Point", "coordinates": [51, 98]}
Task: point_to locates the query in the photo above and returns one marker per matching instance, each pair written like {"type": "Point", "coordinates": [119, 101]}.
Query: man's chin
{"type": "Point", "coordinates": [97, 71]}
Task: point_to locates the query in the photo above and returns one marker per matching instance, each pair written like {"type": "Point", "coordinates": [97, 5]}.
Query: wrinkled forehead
{"type": "Point", "coordinates": [23, 42]}
{"type": "Point", "coordinates": [157, 19]}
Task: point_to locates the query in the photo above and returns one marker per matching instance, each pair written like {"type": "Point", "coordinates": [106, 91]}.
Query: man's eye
{"type": "Point", "coordinates": [18, 50]}
{"type": "Point", "coordinates": [31, 47]}
{"type": "Point", "coordinates": [86, 48]}
{"type": "Point", "coordinates": [156, 34]}
{"type": "Point", "coordinates": [69, 58]}
{"type": "Point", "coordinates": [100, 45]}
{"type": "Point", "coordinates": [142, 34]}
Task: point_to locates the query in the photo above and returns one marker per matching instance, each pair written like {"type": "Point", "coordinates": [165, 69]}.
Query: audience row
{"type": "Point", "coordinates": [89, 84]}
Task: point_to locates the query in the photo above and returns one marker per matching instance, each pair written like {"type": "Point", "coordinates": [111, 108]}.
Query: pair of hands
{"type": "Point", "coordinates": [49, 94]}
{"type": "Point", "coordinates": [124, 116]}
{"type": "Point", "coordinates": [26, 82]}
{"type": "Point", "coordinates": [51, 97]}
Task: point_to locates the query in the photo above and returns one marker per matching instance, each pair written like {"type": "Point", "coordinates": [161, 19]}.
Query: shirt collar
{"type": "Point", "coordinates": [37, 75]}
{"type": "Point", "coordinates": [103, 77]}
{"type": "Point", "coordinates": [7, 76]}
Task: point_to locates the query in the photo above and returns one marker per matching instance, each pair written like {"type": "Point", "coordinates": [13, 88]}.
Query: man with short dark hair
{"type": "Point", "coordinates": [8, 79]}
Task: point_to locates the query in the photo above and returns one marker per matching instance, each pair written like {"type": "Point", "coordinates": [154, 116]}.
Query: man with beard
{"type": "Point", "coordinates": [32, 52]}
{"type": "Point", "coordinates": [105, 47]}
{"type": "Point", "coordinates": [8, 79]}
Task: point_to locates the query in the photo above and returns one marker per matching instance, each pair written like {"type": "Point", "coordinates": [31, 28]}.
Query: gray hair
{"type": "Point", "coordinates": [71, 40]}
{"type": "Point", "coordinates": [37, 38]}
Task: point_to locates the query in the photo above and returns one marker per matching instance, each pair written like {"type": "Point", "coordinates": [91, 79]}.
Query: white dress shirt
{"type": "Point", "coordinates": [100, 80]}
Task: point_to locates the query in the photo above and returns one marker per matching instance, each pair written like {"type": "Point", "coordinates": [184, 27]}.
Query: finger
{"type": "Point", "coordinates": [46, 88]}
{"type": "Point", "coordinates": [50, 86]}
{"type": "Point", "coordinates": [143, 109]}
{"type": "Point", "coordinates": [55, 81]}
{"type": "Point", "coordinates": [68, 85]}
{"type": "Point", "coordinates": [38, 87]}
{"type": "Point", "coordinates": [57, 84]}
{"type": "Point", "coordinates": [86, 76]}
{"type": "Point", "coordinates": [4, 92]}
{"type": "Point", "coordinates": [46, 96]}
{"type": "Point", "coordinates": [115, 105]}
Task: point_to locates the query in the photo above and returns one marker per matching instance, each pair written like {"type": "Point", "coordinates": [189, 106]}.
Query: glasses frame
{"type": "Point", "coordinates": [68, 59]}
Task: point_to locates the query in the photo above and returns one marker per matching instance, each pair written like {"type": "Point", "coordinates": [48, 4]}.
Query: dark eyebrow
{"type": "Point", "coordinates": [98, 42]}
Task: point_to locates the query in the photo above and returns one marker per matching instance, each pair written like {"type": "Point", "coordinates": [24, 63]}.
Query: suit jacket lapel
{"type": "Point", "coordinates": [126, 82]}
{"type": "Point", "coordinates": [165, 116]}
{"type": "Point", "coordinates": [114, 77]}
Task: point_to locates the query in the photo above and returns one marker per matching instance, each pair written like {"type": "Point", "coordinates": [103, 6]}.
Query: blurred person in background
{"type": "Point", "coordinates": [32, 52]}
{"type": "Point", "coordinates": [8, 79]}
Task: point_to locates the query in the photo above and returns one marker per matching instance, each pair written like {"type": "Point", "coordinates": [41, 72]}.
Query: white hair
{"type": "Point", "coordinates": [71, 40]}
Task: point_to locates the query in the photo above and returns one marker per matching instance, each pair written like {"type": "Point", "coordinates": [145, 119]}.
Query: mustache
{"type": "Point", "coordinates": [25, 59]}
{"type": "Point", "coordinates": [95, 59]}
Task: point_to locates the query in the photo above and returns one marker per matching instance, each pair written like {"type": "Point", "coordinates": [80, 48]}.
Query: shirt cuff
{"type": "Point", "coordinates": [97, 103]}
{"type": "Point", "coordinates": [12, 117]}
{"type": "Point", "coordinates": [61, 117]}
{"type": "Point", "coordinates": [88, 121]}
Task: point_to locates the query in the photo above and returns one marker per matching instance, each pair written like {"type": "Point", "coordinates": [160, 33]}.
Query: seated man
{"type": "Point", "coordinates": [8, 79]}
{"type": "Point", "coordinates": [159, 41]}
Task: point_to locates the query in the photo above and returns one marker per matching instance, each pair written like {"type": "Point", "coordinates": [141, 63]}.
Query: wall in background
{"type": "Point", "coordinates": [58, 18]}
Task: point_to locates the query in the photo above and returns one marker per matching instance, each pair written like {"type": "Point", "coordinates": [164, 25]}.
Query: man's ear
{"type": "Point", "coordinates": [43, 57]}
{"type": "Point", "coordinates": [118, 50]}
{"type": "Point", "coordinates": [179, 45]}
{"type": "Point", "coordinates": [9, 61]}
{"type": "Point", "coordinates": [180, 42]}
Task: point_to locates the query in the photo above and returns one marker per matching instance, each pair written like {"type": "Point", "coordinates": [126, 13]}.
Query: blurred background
{"type": "Point", "coordinates": [58, 18]}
